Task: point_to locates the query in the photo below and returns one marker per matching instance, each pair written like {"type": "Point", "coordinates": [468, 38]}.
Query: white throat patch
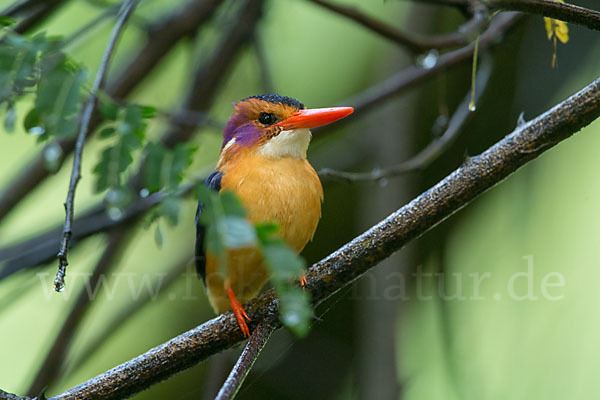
{"type": "Point", "coordinates": [292, 143]}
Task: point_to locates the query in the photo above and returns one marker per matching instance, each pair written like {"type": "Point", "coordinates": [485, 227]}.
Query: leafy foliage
{"type": "Point", "coordinates": [128, 129]}
{"type": "Point", "coordinates": [163, 169]}
{"type": "Point", "coordinates": [227, 228]}
{"type": "Point", "coordinates": [38, 66]}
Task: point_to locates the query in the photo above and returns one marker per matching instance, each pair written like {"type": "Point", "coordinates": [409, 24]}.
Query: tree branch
{"type": "Point", "coordinates": [126, 10]}
{"type": "Point", "coordinates": [246, 361]}
{"type": "Point", "coordinates": [414, 42]}
{"type": "Point", "coordinates": [433, 150]}
{"type": "Point", "coordinates": [347, 264]}
{"type": "Point", "coordinates": [548, 8]}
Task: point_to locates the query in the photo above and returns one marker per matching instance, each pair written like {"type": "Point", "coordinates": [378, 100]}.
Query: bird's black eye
{"type": "Point", "coordinates": [266, 118]}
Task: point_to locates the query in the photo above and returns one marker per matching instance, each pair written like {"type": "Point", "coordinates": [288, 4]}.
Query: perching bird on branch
{"type": "Point", "coordinates": [263, 161]}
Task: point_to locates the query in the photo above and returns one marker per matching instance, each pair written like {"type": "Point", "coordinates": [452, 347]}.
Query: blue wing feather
{"type": "Point", "coordinates": [214, 182]}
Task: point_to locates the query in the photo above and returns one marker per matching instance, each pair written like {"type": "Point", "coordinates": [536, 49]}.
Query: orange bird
{"type": "Point", "coordinates": [263, 161]}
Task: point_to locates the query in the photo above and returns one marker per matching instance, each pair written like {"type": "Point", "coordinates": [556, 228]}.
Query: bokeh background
{"type": "Point", "coordinates": [415, 327]}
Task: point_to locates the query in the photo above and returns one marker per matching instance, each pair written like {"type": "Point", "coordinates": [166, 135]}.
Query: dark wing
{"type": "Point", "coordinates": [214, 182]}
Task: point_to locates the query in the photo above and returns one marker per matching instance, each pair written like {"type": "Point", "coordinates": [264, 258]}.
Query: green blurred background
{"type": "Point", "coordinates": [415, 327]}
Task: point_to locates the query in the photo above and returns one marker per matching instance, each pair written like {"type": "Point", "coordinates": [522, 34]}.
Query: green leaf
{"type": "Point", "coordinates": [231, 204]}
{"type": "Point", "coordinates": [109, 110]}
{"type": "Point", "coordinates": [148, 112]}
{"type": "Point", "coordinates": [158, 236]}
{"type": "Point", "coordinates": [283, 262]}
{"type": "Point", "coordinates": [237, 232]}
{"type": "Point", "coordinates": [58, 101]}
{"type": "Point", "coordinates": [295, 311]}
{"type": "Point", "coordinates": [155, 156]}
{"type": "Point", "coordinates": [10, 119]}
{"type": "Point", "coordinates": [132, 122]}
{"type": "Point", "coordinates": [31, 120]}
{"type": "Point", "coordinates": [114, 161]}
{"type": "Point", "coordinates": [7, 21]}
{"type": "Point", "coordinates": [169, 207]}
{"type": "Point", "coordinates": [182, 157]}
{"type": "Point", "coordinates": [107, 132]}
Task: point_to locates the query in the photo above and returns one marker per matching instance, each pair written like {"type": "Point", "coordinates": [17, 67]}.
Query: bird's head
{"type": "Point", "coordinates": [275, 126]}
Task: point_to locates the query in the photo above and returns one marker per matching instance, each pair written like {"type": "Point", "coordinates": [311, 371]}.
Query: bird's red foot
{"type": "Point", "coordinates": [303, 281]}
{"type": "Point", "coordinates": [240, 313]}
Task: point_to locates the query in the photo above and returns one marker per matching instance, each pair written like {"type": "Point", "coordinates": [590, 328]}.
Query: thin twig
{"type": "Point", "coordinates": [548, 8]}
{"type": "Point", "coordinates": [245, 362]}
{"type": "Point", "coordinates": [125, 12]}
{"type": "Point", "coordinates": [347, 264]}
{"type": "Point", "coordinates": [414, 42]}
{"type": "Point", "coordinates": [433, 150]}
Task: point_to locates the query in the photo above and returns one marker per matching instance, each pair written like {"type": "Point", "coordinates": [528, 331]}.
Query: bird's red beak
{"type": "Point", "coordinates": [315, 117]}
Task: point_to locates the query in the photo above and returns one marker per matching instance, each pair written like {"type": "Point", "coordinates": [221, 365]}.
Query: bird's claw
{"type": "Point", "coordinates": [240, 314]}
{"type": "Point", "coordinates": [303, 281]}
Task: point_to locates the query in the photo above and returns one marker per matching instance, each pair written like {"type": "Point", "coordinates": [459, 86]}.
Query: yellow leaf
{"type": "Point", "coordinates": [562, 31]}
{"type": "Point", "coordinates": [557, 28]}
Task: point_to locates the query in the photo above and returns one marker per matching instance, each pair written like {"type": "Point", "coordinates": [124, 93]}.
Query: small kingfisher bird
{"type": "Point", "coordinates": [263, 161]}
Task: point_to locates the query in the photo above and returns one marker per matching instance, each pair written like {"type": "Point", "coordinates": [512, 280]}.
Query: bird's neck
{"type": "Point", "coordinates": [293, 143]}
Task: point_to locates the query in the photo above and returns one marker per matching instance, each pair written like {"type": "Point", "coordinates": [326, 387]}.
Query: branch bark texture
{"type": "Point", "coordinates": [352, 260]}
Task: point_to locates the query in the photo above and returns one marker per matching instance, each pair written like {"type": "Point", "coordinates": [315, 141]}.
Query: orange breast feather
{"type": "Point", "coordinates": [286, 191]}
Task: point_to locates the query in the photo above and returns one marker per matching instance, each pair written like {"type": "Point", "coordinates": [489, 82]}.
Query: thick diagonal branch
{"type": "Point", "coordinates": [352, 260]}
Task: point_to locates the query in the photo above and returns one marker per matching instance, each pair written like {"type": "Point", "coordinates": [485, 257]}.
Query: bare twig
{"type": "Point", "coordinates": [414, 42]}
{"type": "Point", "coordinates": [548, 8]}
{"type": "Point", "coordinates": [347, 264]}
{"type": "Point", "coordinates": [433, 150]}
{"type": "Point", "coordinates": [245, 362]}
{"type": "Point", "coordinates": [125, 12]}
{"type": "Point", "coordinates": [55, 357]}
{"type": "Point", "coordinates": [165, 34]}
